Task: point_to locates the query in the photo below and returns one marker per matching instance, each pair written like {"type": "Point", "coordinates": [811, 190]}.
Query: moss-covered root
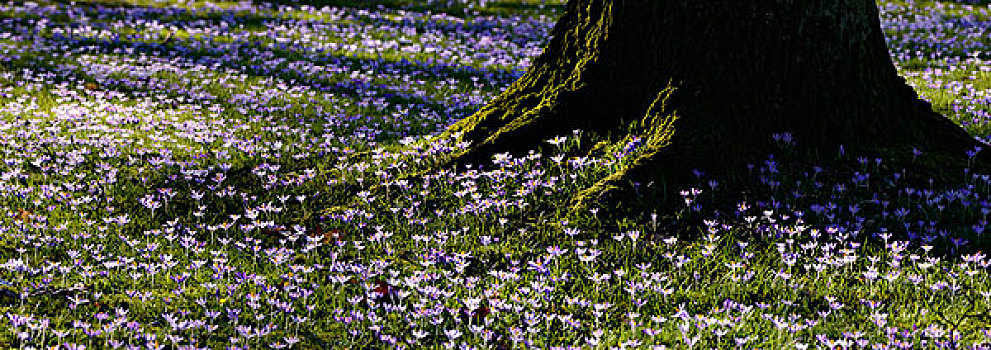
{"type": "Point", "coordinates": [656, 131]}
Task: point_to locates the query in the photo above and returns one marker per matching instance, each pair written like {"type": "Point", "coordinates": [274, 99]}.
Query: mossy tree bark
{"type": "Point", "coordinates": [707, 82]}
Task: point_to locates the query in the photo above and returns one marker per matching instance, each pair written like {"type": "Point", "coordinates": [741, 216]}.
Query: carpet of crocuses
{"type": "Point", "coordinates": [169, 165]}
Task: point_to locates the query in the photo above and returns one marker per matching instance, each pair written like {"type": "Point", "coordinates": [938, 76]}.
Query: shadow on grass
{"type": "Point", "coordinates": [190, 51]}
{"type": "Point", "coordinates": [187, 52]}
{"type": "Point", "coordinates": [252, 21]}
{"type": "Point", "coordinates": [173, 13]}
{"type": "Point", "coordinates": [451, 8]}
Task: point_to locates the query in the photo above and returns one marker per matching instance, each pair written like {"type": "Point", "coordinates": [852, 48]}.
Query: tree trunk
{"type": "Point", "coordinates": [705, 83]}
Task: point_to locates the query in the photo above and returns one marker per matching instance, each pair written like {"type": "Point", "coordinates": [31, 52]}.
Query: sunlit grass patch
{"type": "Point", "coordinates": [960, 91]}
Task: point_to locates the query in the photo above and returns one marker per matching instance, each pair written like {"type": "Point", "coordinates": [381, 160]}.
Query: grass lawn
{"type": "Point", "coordinates": [168, 165]}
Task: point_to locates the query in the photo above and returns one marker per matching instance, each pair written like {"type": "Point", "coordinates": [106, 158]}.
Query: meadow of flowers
{"type": "Point", "coordinates": [168, 166]}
